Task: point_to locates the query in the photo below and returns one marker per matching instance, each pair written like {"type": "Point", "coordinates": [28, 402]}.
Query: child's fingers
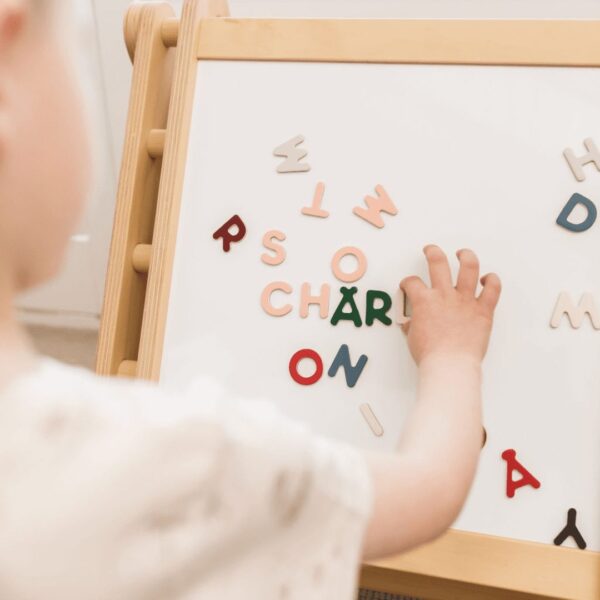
{"type": "Point", "coordinates": [439, 268]}
{"type": "Point", "coordinates": [491, 291]}
{"type": "Point", "coordinates": [413, 286]}
{"type": "Point", "coordinates": [468, 274]}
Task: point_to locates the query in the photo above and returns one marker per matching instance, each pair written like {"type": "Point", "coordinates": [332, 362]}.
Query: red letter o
{"type": "Point", "coordinates": [300, 355]}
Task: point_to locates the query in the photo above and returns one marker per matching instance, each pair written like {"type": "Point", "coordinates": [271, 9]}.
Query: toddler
{"type": "Point", "coordinates": [114, 490]}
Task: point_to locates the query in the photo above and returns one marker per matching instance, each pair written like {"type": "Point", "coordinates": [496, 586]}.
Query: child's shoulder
{"type": "Point", "coordinates": [51, 379]}
{"type": "Point", "coordinates": [54, 391]}
{"type": "Point", "coordinates": [51, 389]}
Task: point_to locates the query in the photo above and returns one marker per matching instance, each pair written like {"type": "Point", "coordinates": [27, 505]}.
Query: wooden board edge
{"type": "Point", "coordinates": [171, 185]}
{"type": "Point", "coordinates": [485, 566]}
{"type": "Point", "coordinates": [475, 42]}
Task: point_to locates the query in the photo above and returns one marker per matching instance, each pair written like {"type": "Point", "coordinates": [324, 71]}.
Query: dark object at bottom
{"type": "Point", "coordinates": [364, 594]}
{"type": "Point", "coordinates": [570, 530]}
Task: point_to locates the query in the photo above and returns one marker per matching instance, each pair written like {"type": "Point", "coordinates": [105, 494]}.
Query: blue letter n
{"type": "Point", "coordinates": [351, 372]}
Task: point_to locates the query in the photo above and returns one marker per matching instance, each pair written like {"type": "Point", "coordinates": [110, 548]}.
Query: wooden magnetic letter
{"type": "Point", "coordinates": [322, 300]}
{"type": "Point", "coordinates": [565, 213]}
{"type": "Point", "coordinates": [375, 206]}
{"type": "Point", "coordinates": [571, 530]}
{"type": "Point", "coordinates": [351, 372]}
{"type": "Point", "coordinates": [576, 163]}
{"type": "Point", "coordinates": [347, 299]}
{"type": "Point", "coordinates": [371, 419]}
{"type": "Point", "coordinates": [269, 244]}
{"type": "Point", "coordinates": [576, 314]}
{"type": "Point", "coordinates": [512, 464]}
{"type": "Point", "coordinates": [228, 237]}
{"type": "Point", "coordinates": [293, 156]}
{"type": "Point", "coordinates": [361, 264]}
{"type": "Point", "coordinates": [378, 314]}
{"type": "Point", "coordinates": [315, 209]}
{"type": "Point", "coordinates": [403, 310]}
{"type": "Point", "coordinates": [265, 299]}
{"type": "Point", "coordinates": [306, 353]}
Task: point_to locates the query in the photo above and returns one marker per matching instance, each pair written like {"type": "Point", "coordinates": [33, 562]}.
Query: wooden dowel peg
{"type": "Point", "coordinates": [128, 368]}
{"type": "Point", "coordinates": [170, 32]}
{"type": "Point", "coordinates": [156, 142]}
{"type": "Point", "coordinates": [141, 258]}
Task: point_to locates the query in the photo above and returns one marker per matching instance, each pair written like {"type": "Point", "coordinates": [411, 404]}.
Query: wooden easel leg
{"type": "Point", "coordinates": [138, 185]}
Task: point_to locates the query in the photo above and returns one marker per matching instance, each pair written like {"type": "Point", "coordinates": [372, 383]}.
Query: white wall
{"type": "Point", "coordinates": [76, 297]}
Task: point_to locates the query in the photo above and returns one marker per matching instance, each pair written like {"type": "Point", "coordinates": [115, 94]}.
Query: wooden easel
{"type": "Point", "coordinates": [164, 50]}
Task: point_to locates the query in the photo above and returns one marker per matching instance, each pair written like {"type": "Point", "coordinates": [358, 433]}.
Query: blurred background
{"type": "Point", "coordinates": [63, 316]}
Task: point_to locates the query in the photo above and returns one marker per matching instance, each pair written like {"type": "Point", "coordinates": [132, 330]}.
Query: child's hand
{"type": "Point", "coordinates": [450, 320]}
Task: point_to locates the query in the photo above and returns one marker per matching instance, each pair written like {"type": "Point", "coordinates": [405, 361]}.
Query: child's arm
{"type": "Point", "coordinates": [420, 491]}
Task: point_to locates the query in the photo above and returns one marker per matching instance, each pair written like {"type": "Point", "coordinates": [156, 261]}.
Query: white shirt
{"type": "Point", "coordinates": [115, 490]}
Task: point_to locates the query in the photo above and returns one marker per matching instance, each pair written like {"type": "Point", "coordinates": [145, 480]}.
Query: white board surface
{"type": "Point", "coordinates": [472, 157]}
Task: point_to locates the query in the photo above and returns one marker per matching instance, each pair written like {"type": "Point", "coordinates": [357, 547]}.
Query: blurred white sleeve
{"type": "Point", "coordinates": [116, 490]}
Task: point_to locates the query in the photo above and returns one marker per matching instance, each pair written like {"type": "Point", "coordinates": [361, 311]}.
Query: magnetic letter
{"type": "Point", "coordinates": [265, 299]}
{"type": "Point", "coordinates": [565, 213]}
{"type": "Point", "coordinates": [342, 359]}
{"type": "Point", "coordinates": [353, 315]}
{"type": "Point", "coordinates": [293, 156]}
{"type": "Point", "coordinates": [576, 314]}
{"type": "Point", "coordinates": [371, 419]}
{"type": "Point", "coordinates": [571, 530]}
{"type": "Point", "coordinates": [315, 210]}
{"type": "Point", "coordinates": [228, 237]}
{"type": "Point", "coordinates": [378, 314]}
{"type": "Point", "coordinates": [269, 244]}
{"type": "Point", "coordinates": [512, 464]}
{"type": "Point", "coordinates": [403, 312]}
{"type": "Point", "coordinates": [322, 300]}
{"type": "Point", "coordinates": [375, 206]}
{"type": "Point", "coordinates": [361, 266]}
{"type": "Point", "coordinates": [576, 164]}
{"type": "Point", "coordinates": [300, 355]}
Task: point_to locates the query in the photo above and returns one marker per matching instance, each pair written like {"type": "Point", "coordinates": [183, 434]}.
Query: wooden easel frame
{"type": "Point", "coordinates": [459, 566]}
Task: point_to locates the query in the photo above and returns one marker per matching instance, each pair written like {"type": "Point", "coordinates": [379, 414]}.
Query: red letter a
{"type": "Point", "coordinates": [512, 464]}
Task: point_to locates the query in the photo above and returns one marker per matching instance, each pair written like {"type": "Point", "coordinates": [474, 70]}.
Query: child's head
{"type": "Point", "coordinates": [43, 147]}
